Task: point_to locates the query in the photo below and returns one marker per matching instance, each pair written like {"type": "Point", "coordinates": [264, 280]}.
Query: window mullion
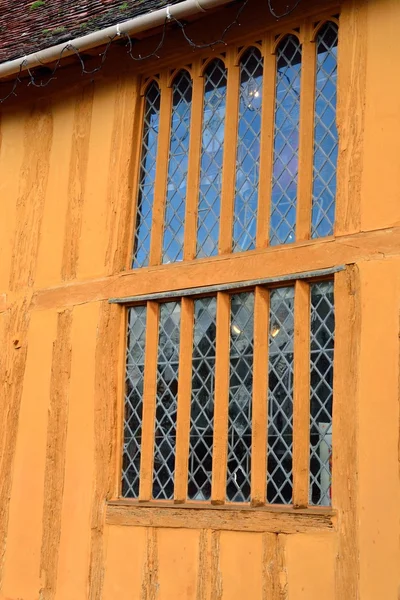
{"type": "Point", "coordinates": [306, 136]}
{"type": "Point", "coordinates": [266, 145]}
{"type": "Point", "coordinates": [149, 402]}
{"type": "Point", "coordinates": [160, 185]}
{"type": "Point", "coordinates": [184, 398]}
{"type": "Point", "coordinates": [260, 398]}
{"type": "Point", "coordinates": [220, 451]}
{"type": "Point", "coordinates": [192, 196]}
{"type": "Point", "coordinates": [229, 162]}
{"type": "Point", "coordinates": [301, 395]}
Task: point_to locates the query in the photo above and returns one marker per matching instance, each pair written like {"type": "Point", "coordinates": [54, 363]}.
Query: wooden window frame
{"type": "Point", "coordinates": [227, 269]}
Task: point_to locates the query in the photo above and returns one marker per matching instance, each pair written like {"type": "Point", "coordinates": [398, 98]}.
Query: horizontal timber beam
{"type": "Point", "coordinates": [259, 264]}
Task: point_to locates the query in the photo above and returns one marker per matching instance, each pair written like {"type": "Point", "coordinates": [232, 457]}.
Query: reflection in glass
{"type": "Point", "coordinates": [166, 401]}
{"type": "Point", "coordinates": [286, 142]}
{"type": "Point", "coordinates": [212, 150]}
{"type": "Point", "coordinates": [322, 347]}
{"type": "Point", "coordinates": [202, 402]}
{"type": "Point", "coordinates": [240, 396]}
{"type": "Point", "coordinates": [134, 378]}
{"type": "Point", "coordinates": [144, 211]}
{"type": "Point", "coordinates": [248, 151]}
{"type": "Point", "coordinates": [280, 396]}
{"type": "Point", "coordinates": [325, 133]}
{"type": "Point", "coordinates": [177, 168]}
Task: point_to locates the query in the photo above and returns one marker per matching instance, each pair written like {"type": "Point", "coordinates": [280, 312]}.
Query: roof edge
{"type": "Point", "coordinates": [137, 24]}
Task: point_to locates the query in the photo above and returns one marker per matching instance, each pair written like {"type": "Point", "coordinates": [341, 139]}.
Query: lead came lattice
{"type": "Point", "coordinates": [248, 151]}
{"type": "Point", "coordinates": [177, 168]}
{"type": "Point", "coordinates": [322, 347]}
{"type": "Point", "coordinates": [134, 378]}
{"type": "Point", "coordinates": [212, 152]}
{"type": "Point", "coordinates": [144, 211]}
{"type": "Point", "coordinates": [286, 142]}
{"type": "Point", "coordinates": [280, 397]}
{"type": "Point", "coordinates": [325, 133]}
{"type": "Point", "coordinates": [166, 401]}
{"type": "Point", "coordinates": [202, 403]}
{"type": "Point", "coordinates": [240, 397]}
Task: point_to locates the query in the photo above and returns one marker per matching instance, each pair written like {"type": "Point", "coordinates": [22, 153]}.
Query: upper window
{"type": "Point", "coordinates": [211, 188]}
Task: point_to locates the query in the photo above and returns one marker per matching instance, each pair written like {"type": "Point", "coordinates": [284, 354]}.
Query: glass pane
{"type": "Point", "coordinates": [248, 151]}
{"type": "Point", "coordinates": [280, 396]}
{"type": "Point", "coordinates": [177, 168]}
{"type": "Point", "coordinates": [286, 142]}
{"type": "Point", "coordinates": [134, 378]}
{"type": "Point", "coordinates": [322, 345]}
{"type": "Point", "coordinates": [202, 403]}
{"type": "Point", "coordinates": [144, 212]}
{"type": "Point", "coordinates": [166, 401]}
{"type": "Point", "coordinates": [325, 133]}
{"type": "Point", "coordinates": [212, 150]}
{"type": "Point", "coordinates": [240, 395]}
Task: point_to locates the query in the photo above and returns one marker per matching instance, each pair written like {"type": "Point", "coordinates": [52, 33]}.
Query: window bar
{"type": "Point", "coordinates": [184, 398]}
{"type": "Point", "coordinates": [301, 395]}
{"type": "Point", "coordinates": [192, 190]}
{"type": "Point", "coordinates": [260, 398]}
{"type": "Point", "coordinates": [220, 454]}
{"type": "Point", "coordinates": [306, 136]}
{"type": "Point", "coordinates": [160, 184]}
{"type": "Point", "coordinates": [149, 402]}
{"type": "Point", "coordinates": [229, 162]}
{"type": "Point", "coordinates": [266, 145]}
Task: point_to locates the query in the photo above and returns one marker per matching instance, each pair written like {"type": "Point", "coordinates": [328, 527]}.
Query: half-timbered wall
{"type": "Point", "coordinates": [69, 157]}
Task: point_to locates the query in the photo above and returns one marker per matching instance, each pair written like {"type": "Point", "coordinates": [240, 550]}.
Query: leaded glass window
{"type": "Point", "coordinates": [240, 396]}
{"type": "Point", "coordinates": [286, 142]}
{"type": "Point", "coordinates": [322, 346]}
{"type": "Point", "coordinates": [166, 401]}
{"type": "Point", "coordinates": [212, 152]}
{"type": "Point", "coordinates": [202, 400]}
{"type": "Point", "coordinates": [177, 168]}
{"type": "Point", "coordinates": [280, 396]}
{"type": "Point", "coordinates": [248, 151]}
{"type": "Point", "coordinates": [325, 133]}
{"type": "Point", "coordinates": [134, 379]}
{"type": "Point", "coordinates": [147, 176]}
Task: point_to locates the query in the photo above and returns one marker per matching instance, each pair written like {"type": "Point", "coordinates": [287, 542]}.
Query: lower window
{"type": "Point", "coordinates": [230, 341]}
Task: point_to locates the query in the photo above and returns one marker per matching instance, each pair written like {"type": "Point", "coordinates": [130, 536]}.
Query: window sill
{"type": "Point", "coordinates": [230, 518]}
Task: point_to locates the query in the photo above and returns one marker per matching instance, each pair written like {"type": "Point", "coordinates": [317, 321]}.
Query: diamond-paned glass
{"type": "Point", "coordinates": [177, 168]}
{"type": "Point", "coordinates": [248, 151]}
{"type": "Point", "coordinates": [202, 401]}
{"type": "Point", "coordinates": [212, 151]}
{"type": "Point", "coordinates": [286, 142]}
{"type": "Point", "coordinates": [325, 133]}
{"type": "Point", "coordinates": [147, 175]}
{"type": "Point", "coordinates": [280, 396]}
{"type": "Point", "coordinates": [240, 396]}
{"type": "Point", "coordinates": [166, 401]}
{"type": "Point", "coordinates": [322, 349]}
{"type": "Point", "coordinates": [134, 378]}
